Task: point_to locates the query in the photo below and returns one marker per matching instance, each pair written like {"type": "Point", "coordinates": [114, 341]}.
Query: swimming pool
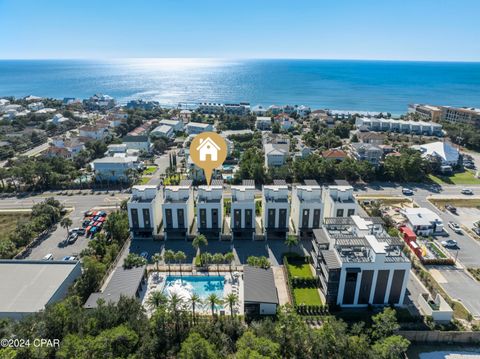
{"type": "Point", "coordinates": [184, 286]}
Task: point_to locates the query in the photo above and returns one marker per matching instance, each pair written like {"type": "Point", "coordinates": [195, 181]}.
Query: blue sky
{"type": "Point", "coordinates": [331, 29]}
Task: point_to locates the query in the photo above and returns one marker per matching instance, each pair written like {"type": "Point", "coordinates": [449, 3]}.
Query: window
{"type": "Point", "coordinates": [248, 218]}
{"type": "Point", "coordinates": [134, 214]}
{"type": "Point", "coordinates": [237, 218]}
{"type": "Point", "coordinates": [339, 212]}
{"type": "Point", "coordinates": [282, 220]}
{"type": "Point", "coordinates": [146, 218]}
{"type": "Point", "coordinates": [203, 218]}
{"type": "Point", "coordinates": [316, 218]}
{"type": "Point", "coordinates": [214, 218]}
{"type": "Point", "coordinates": [350, 212]}
{"type": "Point", "coordinates": [271, 218]}
{"type": "Point", "coordinates": [305, 218]}
{"type": "Point", "coordinates": [180, 218]}
{"type": "Point", "coordinates": [168, 218]}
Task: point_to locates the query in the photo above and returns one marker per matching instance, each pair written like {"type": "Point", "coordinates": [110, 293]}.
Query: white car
{"type": "Point", "coordinates": [456, 228]}
{"type": "Point", "coordinates": [467, 191]}
{"type": "Point", "coordinates": [48, 257]}
{"type": "Point", "coordinates": [449, 243]}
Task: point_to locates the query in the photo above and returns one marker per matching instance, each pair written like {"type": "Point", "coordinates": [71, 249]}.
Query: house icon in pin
{"type": "Point", "coordinates": [208, 147]}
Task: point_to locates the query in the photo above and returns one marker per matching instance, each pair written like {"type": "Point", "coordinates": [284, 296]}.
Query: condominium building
{"type": "Point", "coordinates": [399, 126]}
{"type": "Point", "coordinates": [178, 211]}
{"type": "Point", "coordinates": [210, 108]}
{"type": "Point", "coordinates": [276, 210]}
{"type": "Point", "coordinates": [339, 201]}
{"type": "Point", "coordinates": [242, 210]}
{"type": "Point", "coordinates": [239, 109]}
{"type": "Point", "coordinates": [210, 210]}
{"type": "Point", "coordinates": [359, 264]}
{"type": "Point", "coordinates": [307, 207]}
{"type": "Point", "coordinates": [426, 112]}
{"type": "Point", "coordinates": [144, 212]}
{"type": "Point", "coordinates": [461, 115]}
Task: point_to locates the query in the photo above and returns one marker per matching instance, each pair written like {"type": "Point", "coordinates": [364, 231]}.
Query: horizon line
{"type": "Point", "coordinates": [232, 59]}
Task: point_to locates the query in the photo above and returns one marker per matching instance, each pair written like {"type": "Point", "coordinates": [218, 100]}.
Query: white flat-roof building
{"type": "Point", "coordinates": [359, 264]}
{"type": "Point", "coordinates": [144, 212]}
{"type": "Point", "coordinates": [178, 211]}
{"type": "Point", "coordinates": [307, 207]}
{"type": "Point", "coordinates": [242, 211]}
{"type": "Point", "coordinates": [339, 201]}
{"type": "Point", "coordinates": [27, 286]}
{"type": "Point", "coordinates": [276, 210]}
{"type": "Point", "coordinates": [210, 210]}
{"type": "Point", "coordinates": [115, 168]}
{"type": "Point", "coordinates": [423, 221]}
{"type": "Point", "coordinates": [163, 131]}
{"type": "Point", "coordinates": [194, 128]}
{"type": "Point", "coordinates": [177, 125]}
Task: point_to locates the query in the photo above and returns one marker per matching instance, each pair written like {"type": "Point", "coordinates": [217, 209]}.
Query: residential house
{"type": "Point", "coordinates": [58, 119]}
{"type": "Point", "coordinates": [195, 128]}
{"type": "Point", "coordinates": [140, 143]}
{"type": "Point", "coordinates": [423, 221]}
{"type": "Point", "coordinates": [177, 125]}
{"type": "Point", "coordinates": [163, 131]}
{"type": "Point", "coordinates": [276, 210]}
{"type": "Point", "coordinates": [303, 111]}
{"type": "Point", "coordinates": [275, 154]}
{"type": "Point", "coordinates": [144, 212]}
{"type": "Point", "coordinates": [285, 121]}
{"type": "Point", "coordinates": [335, 154]}
{"type": "Point", "coordinates": [444, 152]}
{"type": "Point", "coordinates": [366, 152]}
{"type": "Point", "coordinates": [142, 105]}
{"type": "Point", "coordinates": [359, 264]}
{"type": "Point", "coordinates": [210, 210]}
{"type": "Point", "coordinates": [275, 110]}
{"type": "Point", "coordinates": [36, 106]}
{"type": "Point", "coordinates": [307, 207]}
{"type": "Point", "coordinates": [242, 210]}
{"type": "Point", "coordinates": [178, 211]}
{"type": "Point", "coordinates": [94, 132]}
{"type": "Point", "coordinates": [259, 110]}
{"type": "Point", "coordinates": [72, 144]}
{"type": "Point", "coordinates": [263, 123]}
{"type": "Point", "coordinates": [115, 168]}
{"type": "Point", "coordinates": [373, 138]}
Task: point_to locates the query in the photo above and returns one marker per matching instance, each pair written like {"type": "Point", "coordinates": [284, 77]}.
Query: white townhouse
{"type": "Point", "coordinates": [359, 264]}
{"type": "Point", "coordinates": [307, 208]}
{"type": "Point", "coordinates": [339, 201]}
{"type": "Point", "coordinates": [276, 210]}
{"type": "Point", "coordinates": [145, 212]}
{"type": "Point", "coordinates": [178, 210]}
{"type": "Point", "coordinates": [210, 210]}
{"type": "Point", "coordinates": [242, 210]}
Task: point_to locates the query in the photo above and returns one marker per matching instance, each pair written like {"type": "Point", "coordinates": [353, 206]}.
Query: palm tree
{"type": "Point", "coordinates": [217, 259]}
{"type": "Point", "coordinates": [213, 300]}
{"type": "Point", "coordinates": [176, 304]}
{"type": "Point", "coordinates": [157, 257]}
{"type": "Point", "coordinates": [194, 300]}
{"type": "Point", "coordinates": [229, 258]}
{"type": "Point", "coordinates": [169, 256]}
{"type": "Point", "coordinates": [66, 223]}
{"type": "Point", "coordinates": [180, 257]}
{"type": "Point", "coordinates": [198, 242]}
{"type": "Point", "coordinates": [156, 300]}
{"type": "Point", "coordinates": [291, 241]}
{"type": "Point", "coordinates": [231, 299]}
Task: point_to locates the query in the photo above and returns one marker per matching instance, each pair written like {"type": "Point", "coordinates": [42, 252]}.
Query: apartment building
{"type": "Point", "coordinates": [242, 210]}
{"type": "Point", "coordinates": [426, 112]}
{"type": "Point", "coordinates": [339, 201]}
{"type": "Point", "coordinates": [144, 212]}
{"type": "Point", "coordinates": [307, 207]}
{"type": "Point", "coordinates": [461, 115]}
{"type": "Point", "coordinates": [178, 210]}
{"type": "Point", "coordinates": [359, 264]}
{"type": "Point", "coordinates": [210, 108]}
{"type": "Point", "coordinates": [210, 210]}
{"type": "Point", "coordinates": [276, 210]}
{"type": "Point", "coordinates": [399, 126]}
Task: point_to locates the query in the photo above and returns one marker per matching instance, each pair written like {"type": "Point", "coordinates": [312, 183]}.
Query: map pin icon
{"type": "Point", "coordinates": [208, 151]}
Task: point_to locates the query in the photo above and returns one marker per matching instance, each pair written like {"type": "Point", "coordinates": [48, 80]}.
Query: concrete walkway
{"type": "Point", "coordinates": [281, 284]}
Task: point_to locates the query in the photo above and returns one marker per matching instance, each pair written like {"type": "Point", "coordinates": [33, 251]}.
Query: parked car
{"type": "Point", "coordinates": [407, 191]}
{"type": "Point", "coordinates": [451, 209]}
{"type": "Point", "coordinates": [72, 238]}
{"type": "Point", "coordinates": [467, 191]}
{"type": "Point", "coordinates": [79, 231]}
{"type": "Point", "coordinates": [476, 230]}
{"type": "Point", "coordinates": [69, 258]}
{"type": "Point", "coordinates": [456, 228]}
{"type": "Point", "coordinates": [449, 243]}
{"type": "Point", "coordinates": [48, 257]}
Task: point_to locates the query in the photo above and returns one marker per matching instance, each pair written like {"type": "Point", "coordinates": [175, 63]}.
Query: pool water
{"type": "Point", "coordinates": [201, 285]}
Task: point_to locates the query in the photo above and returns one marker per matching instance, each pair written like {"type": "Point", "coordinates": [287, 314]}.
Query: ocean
{"type": "Point", "coordinates": [386, 86]}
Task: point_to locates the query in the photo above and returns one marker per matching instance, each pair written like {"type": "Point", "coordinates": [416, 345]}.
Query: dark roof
{"type": "Point", "coordinates": [248, 182]}
{"type": "Point", "coordinates": [331, 259]}
{"type": "Point", "coordinates": [135, 139]}
{"type": "Point", "coordinates": [279, 182]}
{"type": "Point", "coordinates": [124, 282]}
{"type": "Point", "coordinates": [259, 285]}
{"type": "Point", "coordinates": [340, 182]}
{"type": "Point", "coordinates": [310, 182]}
{"type": "Point", "coordinates": [217, 182]}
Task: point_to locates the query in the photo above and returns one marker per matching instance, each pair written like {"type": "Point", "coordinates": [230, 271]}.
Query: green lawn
{"type": "Point", "coordinates": [467, 177]}
{"type": "Point", "coordinates": [300, 270]}
{"type": "Point", "coordinates": [150, 170]}
{"type": "Point", "coordinates": [144, 180]}
{"type": "Point", "coordinates": [457, 202]}
{"type": "Point", "coordinates": [307, 296]}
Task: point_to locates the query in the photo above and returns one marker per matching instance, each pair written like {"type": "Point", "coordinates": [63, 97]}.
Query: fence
{"type": "Point", "coordinates": [436, 336]}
